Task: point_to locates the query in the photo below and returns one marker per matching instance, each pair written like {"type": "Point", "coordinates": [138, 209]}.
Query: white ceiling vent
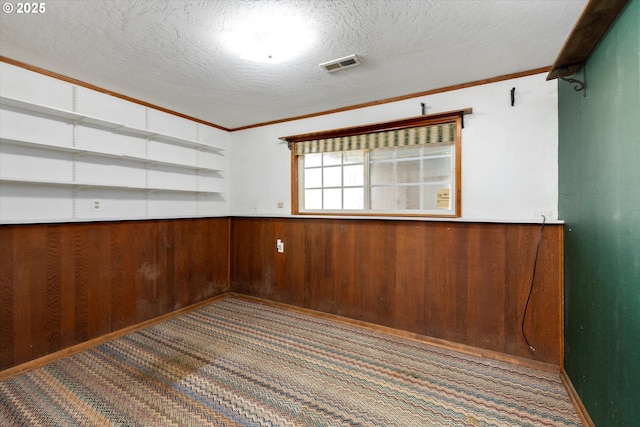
{"type": "Point", "coordinates": [341, 63]}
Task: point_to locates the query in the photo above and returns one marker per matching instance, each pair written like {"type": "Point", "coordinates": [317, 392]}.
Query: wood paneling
{"type": "Point", "coordinates": [64, 284]}
{"type": "Point", "coordinates": [463, 282]}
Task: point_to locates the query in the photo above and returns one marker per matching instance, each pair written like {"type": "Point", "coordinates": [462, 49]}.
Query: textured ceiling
{"type": "Point", "coordinates": [176, 54]}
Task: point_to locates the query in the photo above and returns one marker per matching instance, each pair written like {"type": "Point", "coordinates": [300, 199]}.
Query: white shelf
{"type": "Point", "coordinates": [84, 119]}
{"type": "Point", "coordinates": [14, 180]}
{"type": "Point", "coordinates": [81, 151]}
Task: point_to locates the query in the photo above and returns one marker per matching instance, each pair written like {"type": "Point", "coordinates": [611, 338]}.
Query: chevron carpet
{"type": "Point", "coordinates": [240, 363]}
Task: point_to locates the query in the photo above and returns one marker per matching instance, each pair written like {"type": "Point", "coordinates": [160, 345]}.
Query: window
{"type": "Point", "coordinates": [409, 167]}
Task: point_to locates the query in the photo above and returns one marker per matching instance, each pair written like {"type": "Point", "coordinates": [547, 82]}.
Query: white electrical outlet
{"type": "Point", "coordinates": [96, 205]}
{"type": "Point", "coordinates": [280, 246]}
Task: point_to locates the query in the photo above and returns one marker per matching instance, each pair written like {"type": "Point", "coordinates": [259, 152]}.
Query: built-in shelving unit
{"type": "Point", "coordinates": [97, 184]}
{"type": "Point", "coordinates": [67, 150]}
{"type": "Point", "coordinates": [113, 126]}
{"type": "Point", "coordinates": [594, 22]}
{"type": "Point", "coordinates": [122, 156]}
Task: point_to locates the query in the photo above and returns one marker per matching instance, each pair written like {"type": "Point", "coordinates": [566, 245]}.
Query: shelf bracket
{"type": "Point", "coordinates": [578, 85]}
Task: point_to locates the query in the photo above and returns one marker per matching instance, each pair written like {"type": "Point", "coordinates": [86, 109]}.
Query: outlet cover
{"type": "Point", "coordinates": [541, 213]}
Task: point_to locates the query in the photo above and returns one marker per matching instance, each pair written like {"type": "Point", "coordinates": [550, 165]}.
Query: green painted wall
{"type": "Point", "coordinates": [599, 186]}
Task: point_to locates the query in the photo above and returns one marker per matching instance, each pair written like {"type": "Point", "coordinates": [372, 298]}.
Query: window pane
{"type": "Point", "coordinates": [437, 196]}
{"type": "Point", "coordinates": [332, 176]}
{"type": "Point", "coordinates": [409, 171]}
{"type": "Point", "coordinates": [382, 153]}
{"type": "Point", "coordinates": [438, 169]}
{"type": "Point", "coordinates": [312, 160]}
{"type": "Point", "coordinates": [313, 199]}
{"type": "Point", "coordinates": [353, 175]}
{"type": "Point", "coordinates": [332, 158]}
{"type": "Point", "coordinates": [354, 198]}
{"type": "Point", "coordinates": [409, 152]}
{"type": "Point", "coordinates": [333, 199]}
{"type": "Point", "coordinates": [408, 197]}
{"type": "Point", "coordinates": [438, 150]}
{"type": "Point", "coordinates": [382, 198]}
{"type": "Point", "coordinates": [313, 178]}
{"type": "Point", "coordinates": [353, 156]}
{"type": "Point", "coordinates": [381, 173]}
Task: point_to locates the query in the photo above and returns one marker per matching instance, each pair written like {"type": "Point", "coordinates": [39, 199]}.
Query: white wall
{"type": "Point", "coordinates": [54, 169]}
{"type": "Point", "coordinates": [509, 154]}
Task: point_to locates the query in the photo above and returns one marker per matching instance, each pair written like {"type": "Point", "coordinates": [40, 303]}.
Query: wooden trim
{"type": "Point", "coordinates": [229, 237]}
{"type": "Point", "coordinates": [574, 397]}
{"type": "Point", "coordinates": [69, 351]}
{"type": "Point", "coordinates": [596, 18]}
{"type": "Point", "coordinates": [458, 162]}
{"type": "Point", "coordinates": [402, 97]}
{"type": "Point", "coordinates": [375, 215]}
{"type": "Point", "coordinates": [106, 91]}
{"type": "Point", "coordinates": [295, 190]}
{"type": "Point", "coordinates": [431, 119]}
{"type": "Point", "coordinates": [560, 301]}
{"type": "Point", "coordinates": [441, 343]}
{"type": "Point", "coordinates": [290, 119]}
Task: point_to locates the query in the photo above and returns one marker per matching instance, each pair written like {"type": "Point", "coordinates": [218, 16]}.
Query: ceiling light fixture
{"type": "Point", "coordinates": [271, 34]}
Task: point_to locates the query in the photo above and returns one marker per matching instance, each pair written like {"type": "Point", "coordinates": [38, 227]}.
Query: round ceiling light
{"type": "Point", "coordinates": [269, 33]}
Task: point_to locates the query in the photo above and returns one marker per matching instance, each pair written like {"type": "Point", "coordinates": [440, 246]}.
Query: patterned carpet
{"type": "Point", "coordinates": [236, 362]}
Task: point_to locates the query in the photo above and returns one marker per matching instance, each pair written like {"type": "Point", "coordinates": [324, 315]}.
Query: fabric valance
{"type": "Point", "coordinates": [444, 133]}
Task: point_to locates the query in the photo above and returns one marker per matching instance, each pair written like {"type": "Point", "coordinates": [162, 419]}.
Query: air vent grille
{"type": "Point", "coordinates": [340, 63]}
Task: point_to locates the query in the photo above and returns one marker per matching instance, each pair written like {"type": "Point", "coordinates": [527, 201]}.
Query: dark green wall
{"type": "Point", "coordinates": [599, 186]}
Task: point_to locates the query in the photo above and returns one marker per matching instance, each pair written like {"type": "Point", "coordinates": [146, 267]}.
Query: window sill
{"type": "Point", "coordinates": [407, 218]}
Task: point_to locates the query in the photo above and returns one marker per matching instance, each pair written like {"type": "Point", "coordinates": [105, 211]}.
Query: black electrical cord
{"type": "Point", "coordinates": [533, 278]}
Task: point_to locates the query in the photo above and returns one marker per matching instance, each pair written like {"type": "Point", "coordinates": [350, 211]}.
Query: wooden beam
{"type": "Point", "coordinates": [596, 18]}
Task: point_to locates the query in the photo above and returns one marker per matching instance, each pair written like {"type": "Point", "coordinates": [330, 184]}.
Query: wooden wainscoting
{"type": "Point", "coordinates": [462, 282]}
{"type": "Point", "coordinates": [65, 284]}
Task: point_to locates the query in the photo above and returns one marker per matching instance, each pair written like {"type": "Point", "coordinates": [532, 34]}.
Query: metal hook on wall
{"type": "Point", "coordinates": [513, 96]}
{"type": "Point", "coordinates": [577, 84]}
